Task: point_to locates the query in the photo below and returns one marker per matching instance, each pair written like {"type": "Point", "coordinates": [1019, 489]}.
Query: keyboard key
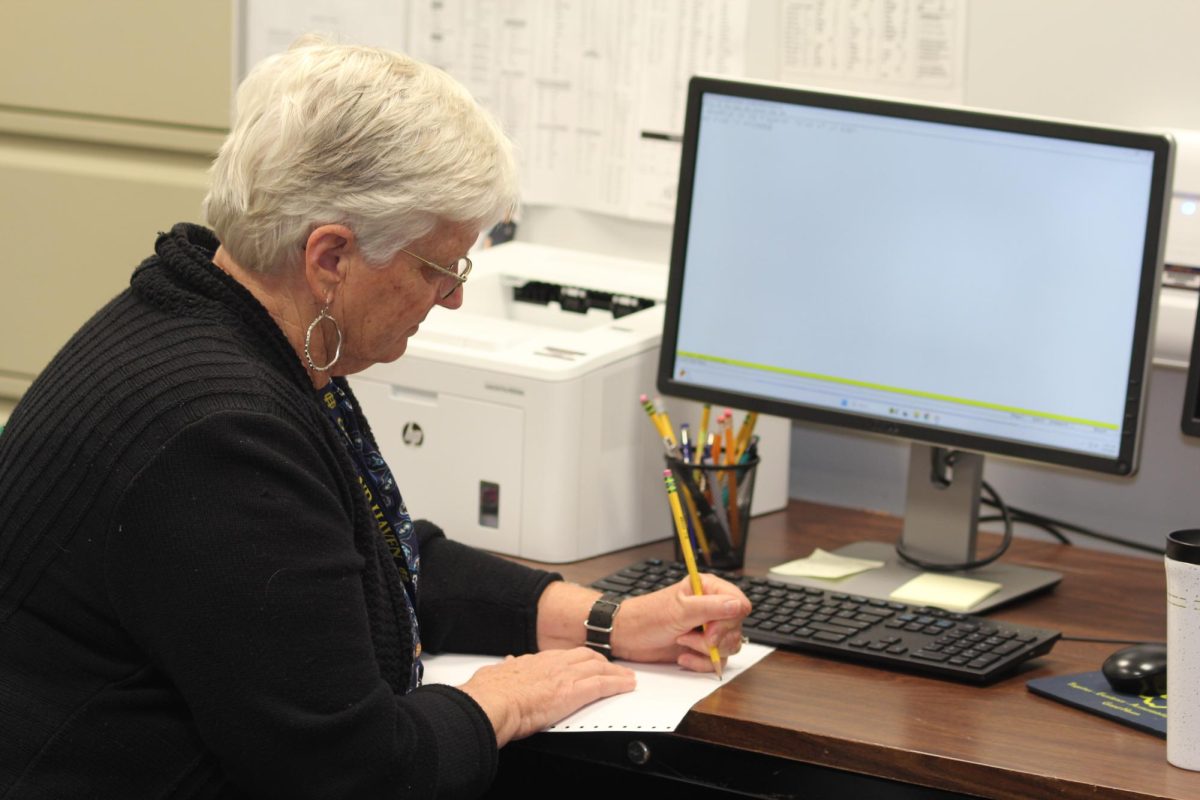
{"type": "Point", "coordinates": [1006, 648]}
{"type": "Point", "coordinates": [838, 629]}
{"type": "Point", "coordinates": [857, 624]}
{"type": "Point", "coordinates": [611, 586]}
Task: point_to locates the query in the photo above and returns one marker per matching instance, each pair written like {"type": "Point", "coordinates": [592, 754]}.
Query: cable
{"type": "Point", "coordinates": [1105, 641]}
{"type": "Point", "coordinates": [1011, 515]}
{"type": "Point", "coordinates": [1019, 519]}
{"type": "Point", "coordinates": [1041, 520]}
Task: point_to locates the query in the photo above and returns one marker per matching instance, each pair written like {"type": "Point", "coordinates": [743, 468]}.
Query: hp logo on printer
{"type": "Point", "coordinates": [413, 435]}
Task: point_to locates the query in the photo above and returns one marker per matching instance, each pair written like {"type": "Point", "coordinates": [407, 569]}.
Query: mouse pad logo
{"type": "Point", "coordinates": [413, 435]}
{"type": "Point", "coordinates": [1179, 601]}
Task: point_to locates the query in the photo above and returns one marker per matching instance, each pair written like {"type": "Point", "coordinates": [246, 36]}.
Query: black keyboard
{"type": "Point", "coordinates": [882, 633]}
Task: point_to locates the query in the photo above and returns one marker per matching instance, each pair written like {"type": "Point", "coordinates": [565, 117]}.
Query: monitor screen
{"type": "Point", "coordinates": [963, 279]}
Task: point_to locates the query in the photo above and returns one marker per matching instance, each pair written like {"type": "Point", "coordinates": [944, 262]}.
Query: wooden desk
{"type": "Point", "coordinates": [999, 741]}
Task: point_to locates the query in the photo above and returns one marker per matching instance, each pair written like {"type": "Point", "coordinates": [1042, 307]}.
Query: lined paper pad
{"type": "Point", "coordinates": [825, 565]}
{"type": "Point", "coordinates": [664, 693]}
{"type": "Point", "coordinates": [944, 591]}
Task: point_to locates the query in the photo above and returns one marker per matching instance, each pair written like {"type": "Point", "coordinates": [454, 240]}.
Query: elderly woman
{"type": "Point", "coordinates": [209, 583]}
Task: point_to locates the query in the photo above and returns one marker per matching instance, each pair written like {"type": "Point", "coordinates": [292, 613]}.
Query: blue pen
{"type": "Point", "coordinates": [685, 443]}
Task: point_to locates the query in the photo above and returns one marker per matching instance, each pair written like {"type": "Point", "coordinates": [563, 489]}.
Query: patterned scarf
{"type": "Point", "coordinates": [385, 502]}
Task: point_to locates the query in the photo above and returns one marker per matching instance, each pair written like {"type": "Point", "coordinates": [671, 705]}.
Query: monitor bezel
{"type": "Point", "coordinates": [1125, 463]}
{"type": "Point", "coordinates": [1190, 423]}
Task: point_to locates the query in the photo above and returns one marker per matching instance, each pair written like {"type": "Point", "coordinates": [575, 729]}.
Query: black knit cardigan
{"type": "Point", "coordinates": [194, 599]}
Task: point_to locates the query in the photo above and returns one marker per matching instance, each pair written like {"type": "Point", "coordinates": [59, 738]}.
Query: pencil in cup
{"type": "Point", "coordinates": [712, 518]}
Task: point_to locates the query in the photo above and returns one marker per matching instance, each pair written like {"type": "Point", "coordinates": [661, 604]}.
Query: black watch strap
{"type": "Point", "coordinates": [599, 625]}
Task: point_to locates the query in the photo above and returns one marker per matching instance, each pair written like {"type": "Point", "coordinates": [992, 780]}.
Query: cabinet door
{"type": "Point", "coordinates": [84, 216]}
{"type": "Point", "coordinates": [457, 461]}
{"type": "Point", "coordinates": [165, 62]}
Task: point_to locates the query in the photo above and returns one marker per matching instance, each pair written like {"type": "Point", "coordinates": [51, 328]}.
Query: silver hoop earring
{"type": "Point", "coordinates": [337, 351]}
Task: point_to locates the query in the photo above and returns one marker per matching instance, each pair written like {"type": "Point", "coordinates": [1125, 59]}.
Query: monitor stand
{"type": "Point", "coordinates": [940, 526]}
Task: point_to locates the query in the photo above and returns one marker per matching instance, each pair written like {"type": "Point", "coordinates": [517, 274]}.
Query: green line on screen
{"type": "Point", "coordinates": [908, 392]}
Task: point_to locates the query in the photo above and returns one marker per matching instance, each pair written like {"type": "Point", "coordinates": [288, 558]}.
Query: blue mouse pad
{"type": "Point", "coordinates": [1090, 691]}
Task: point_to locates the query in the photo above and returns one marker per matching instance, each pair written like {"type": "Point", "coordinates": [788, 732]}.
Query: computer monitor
{"type": "Point", "coordinates": [1191, 397]}
{"type": "Point", "coordinates": [973, 283]}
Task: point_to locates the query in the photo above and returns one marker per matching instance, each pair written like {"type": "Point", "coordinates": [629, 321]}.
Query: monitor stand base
{"type": "Point", "coordinates": [1015, 581]}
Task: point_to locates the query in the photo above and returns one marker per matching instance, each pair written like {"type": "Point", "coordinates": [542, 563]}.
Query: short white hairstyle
{"type": "Point", "coordinates": [369, 138]}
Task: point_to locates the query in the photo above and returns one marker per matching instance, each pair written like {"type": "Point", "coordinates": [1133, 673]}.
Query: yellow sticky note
{"type": "Point", "coordinates": [821, 564]}
{"type": "Point", "coordinates": [944, 591]}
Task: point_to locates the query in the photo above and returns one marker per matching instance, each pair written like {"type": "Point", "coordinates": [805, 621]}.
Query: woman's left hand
{"type": "Point", "coordinates": [667, 625]}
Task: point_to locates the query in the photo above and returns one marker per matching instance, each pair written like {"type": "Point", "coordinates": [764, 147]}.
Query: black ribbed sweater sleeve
{"type": "Point", "coordinates": [231, 562]}
{"type": "Point", "coordinates": [474, 602]}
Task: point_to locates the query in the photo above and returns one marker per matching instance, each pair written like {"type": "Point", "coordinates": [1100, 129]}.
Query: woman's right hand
{"type": "Point", "coordinates": [524, 695]}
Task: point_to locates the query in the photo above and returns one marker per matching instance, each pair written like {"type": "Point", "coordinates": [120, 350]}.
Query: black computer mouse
{"type": "Point", "coordinates": [1139, 669]}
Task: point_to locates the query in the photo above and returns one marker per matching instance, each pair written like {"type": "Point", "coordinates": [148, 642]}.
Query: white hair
{"type": "Point", "coordinates": [368, 138]}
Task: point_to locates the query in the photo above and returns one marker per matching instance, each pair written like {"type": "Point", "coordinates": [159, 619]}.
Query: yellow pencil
{"type": "Point", "coordinates": [694, 516]}
{"type": "Point", "coordinates": [663, 419]}
{"type": "Point", "coordinates": [663, 430]}
{"type": "Point", "coordinates": [744, 434]}
{"type": "Point", "coordinates": [689, 557]}
{"type": "Point", "coordinates": [703, 432]}
{"type": "Point", "coordinates": [735, 522]}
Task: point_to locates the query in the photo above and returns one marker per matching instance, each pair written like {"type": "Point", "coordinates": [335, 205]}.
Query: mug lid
{"type": "Point", "coordinates": [1184, 546]}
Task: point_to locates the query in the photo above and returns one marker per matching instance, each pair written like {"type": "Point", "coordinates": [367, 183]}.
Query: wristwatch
{"type": "Point", "coordinates": [599, 625]}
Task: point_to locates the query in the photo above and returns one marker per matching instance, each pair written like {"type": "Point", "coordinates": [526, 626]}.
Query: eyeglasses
{"type": "Point", "coordinates": [456, 272]}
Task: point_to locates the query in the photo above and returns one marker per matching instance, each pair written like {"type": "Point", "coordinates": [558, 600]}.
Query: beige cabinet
{"type": "Point", "coordinates": [109, 116]}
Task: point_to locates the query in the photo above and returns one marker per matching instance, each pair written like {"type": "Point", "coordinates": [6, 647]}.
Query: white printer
{"type": "Point", "coordinates": [513, 422]}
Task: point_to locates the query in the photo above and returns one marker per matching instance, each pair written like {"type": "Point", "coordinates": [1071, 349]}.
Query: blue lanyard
{"type": "Point", "coordinates": [386, 504]}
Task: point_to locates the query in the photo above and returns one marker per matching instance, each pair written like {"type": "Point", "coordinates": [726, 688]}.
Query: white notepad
{"type": "Point", "coordinates": [664, 693]}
